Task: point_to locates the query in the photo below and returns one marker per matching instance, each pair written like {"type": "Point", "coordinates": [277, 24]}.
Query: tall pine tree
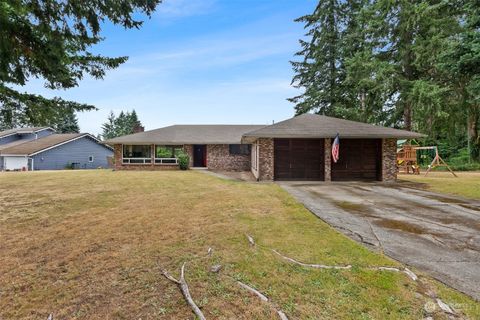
{"type": "Point", "coordinates": [319, 72]}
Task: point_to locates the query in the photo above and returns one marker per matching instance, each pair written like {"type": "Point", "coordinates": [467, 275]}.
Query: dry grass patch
{"type": "Point", "coordinates": [88, 245]}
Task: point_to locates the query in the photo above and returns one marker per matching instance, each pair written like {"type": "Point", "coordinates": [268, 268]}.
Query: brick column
{"type": "Point", "coordinates": [328, 159]}
{"type": "Point", "coordinates": [188, 148]}
{"type": "Point", "coordinates": [153, 155]}
{"type": "Point", "coordinates": [266, 159]}
{"type": "Point", "coordinates": [117, 156]}
{"type": "Point", "coordinates": [389, 160]}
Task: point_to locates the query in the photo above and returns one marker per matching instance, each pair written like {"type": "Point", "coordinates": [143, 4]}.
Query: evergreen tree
{"type": "Point", "coordinates": [51, 39]}
{"type": "Point", "coordinates": [319, 73]}
{"type": "Point", "coordinates": [67, 123]}
{"type": "Point", "coordinates": [461, 62]}
{"type": "Point", "coordinates": [123, 124]}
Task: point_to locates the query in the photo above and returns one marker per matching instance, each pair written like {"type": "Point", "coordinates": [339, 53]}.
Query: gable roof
{"type": "Point", "coordinates": [318, 126]}
{"type": "Point", "coordinates": [188, 134]}
{"type": "Point", "coordinates": [22, 131]}
{"type": "Point", "coordinates": [32, 147]}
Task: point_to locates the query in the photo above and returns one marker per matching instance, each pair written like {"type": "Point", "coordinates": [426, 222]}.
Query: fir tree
{"type": "Point", "coordinates": [52, 40]}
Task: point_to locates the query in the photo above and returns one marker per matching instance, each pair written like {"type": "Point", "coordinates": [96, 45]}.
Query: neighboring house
{"type": "Point", "coordinates": [43, 149]}
{"type": "Point", "coordinates": [295, 149]}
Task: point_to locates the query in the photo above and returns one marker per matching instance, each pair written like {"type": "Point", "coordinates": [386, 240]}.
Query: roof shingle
{"type": "Point", "coordinates": [32, 146]}
{"type": "Point", "coordinates": [318, 126]}
{"type": "Point", "coordinates": [188, 134]}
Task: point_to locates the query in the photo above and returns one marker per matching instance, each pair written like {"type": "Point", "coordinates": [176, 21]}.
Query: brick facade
{"type": "Point", "coordinates": [219, 158]}
{"type": "Point", "coordinates": [389, 160]}
{"type": "Point", "coordinates": [265, 159]}
{"type": "Point", "coordinates": [189, 150]}
{"type": "Point", "coordinates": [118, 156]}
{"type": "Point", "coordinates": [328, 159]}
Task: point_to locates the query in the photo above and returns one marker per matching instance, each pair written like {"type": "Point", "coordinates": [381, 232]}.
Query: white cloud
{"type": "Point", "coordinates": [171, 9]}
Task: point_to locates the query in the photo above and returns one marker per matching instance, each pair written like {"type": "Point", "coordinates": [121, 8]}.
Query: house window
{"type": "Point", "coordinates": [90, 159]}
{"type": "Point", "coordinates": [137, 154]}
{"type": "Point", "coordinates": [167, 154]}
{"type": "Point", "coordinates": [168, 151]}
{"type": "Point", "coordinates": [240, 149]}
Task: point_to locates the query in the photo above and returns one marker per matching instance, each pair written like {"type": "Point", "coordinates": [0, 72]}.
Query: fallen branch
{"type": "Point", "coordinates": [445, 307]}
{"type": "Point", "coordinates": [308, 265]}
{"type": "Point", "coordinates": [264, 298]}
{"type": "Point", "coordinates": [252, 290]}
{"type": "Point", "coordinates": [185, 291]}
{"type": "Point", "coordinates": [250, 240]}
{"type": "Point", "coordinates": [407, 271]}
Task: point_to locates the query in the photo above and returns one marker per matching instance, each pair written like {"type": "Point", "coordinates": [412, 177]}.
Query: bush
{"type": "Point", "coordinates": [183, 161]}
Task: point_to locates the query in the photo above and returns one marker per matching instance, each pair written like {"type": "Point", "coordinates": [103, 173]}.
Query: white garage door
{"type": "Point", "coordinates": [16, 163]}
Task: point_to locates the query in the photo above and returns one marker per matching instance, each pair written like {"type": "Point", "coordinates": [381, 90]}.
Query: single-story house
{"type": "Point", "coordinates": [295, 149]}
{"type": "Point", "coordinates": [43, 149]}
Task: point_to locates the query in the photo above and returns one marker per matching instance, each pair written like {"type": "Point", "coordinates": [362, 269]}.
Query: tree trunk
{"type": "Point", "coordinates": [472, 131]}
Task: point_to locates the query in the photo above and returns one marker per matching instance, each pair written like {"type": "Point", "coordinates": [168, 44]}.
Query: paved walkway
{"type": "Point", "coordinates": [435, 233]}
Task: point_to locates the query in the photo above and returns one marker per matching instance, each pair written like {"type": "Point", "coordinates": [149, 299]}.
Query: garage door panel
{"type": "Point", "coordinates": [299, 159]}
{"type": "Point", "coordinates": [360, 159]}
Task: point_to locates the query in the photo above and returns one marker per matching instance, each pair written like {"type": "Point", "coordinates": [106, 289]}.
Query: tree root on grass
{"type": "Point", "coordinates": [185, 291]}
{"type": "Point", "coordinates": [264, 298]}
{"type": "Point", "coordinates": [308, 265]}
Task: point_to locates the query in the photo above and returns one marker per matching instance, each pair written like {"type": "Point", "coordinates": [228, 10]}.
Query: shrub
{"type": "Point", "coordinates": [183, 161]}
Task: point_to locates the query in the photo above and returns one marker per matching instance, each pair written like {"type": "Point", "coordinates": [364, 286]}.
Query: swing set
{"type": "Point", "coordinates": [407, 159]}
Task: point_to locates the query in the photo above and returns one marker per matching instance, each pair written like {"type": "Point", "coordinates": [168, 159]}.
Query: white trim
{"type": "Point", "coordinates": [91, 157]}
{"type": "Point", "coordinates": [144, 161]}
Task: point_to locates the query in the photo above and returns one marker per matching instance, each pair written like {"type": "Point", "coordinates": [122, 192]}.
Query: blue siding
{"type": "Point", "coordinates": [27, 136]}
{"type": "Point", "coordinates": [8, 139]}
{"type": "Point", "coordinates": [44, 133]}
{"type": "Point", "coordinates": [77, 151]}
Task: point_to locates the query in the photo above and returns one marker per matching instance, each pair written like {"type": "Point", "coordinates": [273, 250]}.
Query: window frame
{"type": "Point", "coordinates": [241, 149]}
{"type": "Point", "coordinates": [134, 159]}
{"type": "Point", "coordinates": [91, 158]}
{"type": "Point", "coordinates": [172, 148]}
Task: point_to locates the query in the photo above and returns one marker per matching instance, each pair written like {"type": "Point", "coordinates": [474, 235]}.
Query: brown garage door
{"type": "Point", "coordinates": [299, 159]}
{"type": "Point", "coordinates": [360, 159]}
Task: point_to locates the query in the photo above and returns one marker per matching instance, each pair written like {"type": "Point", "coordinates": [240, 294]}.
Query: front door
{"type": "Point", "coordinates": [199, 155]}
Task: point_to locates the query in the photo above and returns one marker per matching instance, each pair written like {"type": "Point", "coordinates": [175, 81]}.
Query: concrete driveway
{"type": "Point", "coordinates": [436, 233]}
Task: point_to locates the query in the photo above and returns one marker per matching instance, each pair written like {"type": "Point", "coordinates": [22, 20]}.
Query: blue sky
{"type": "Point", "coordinates": [198, 61]}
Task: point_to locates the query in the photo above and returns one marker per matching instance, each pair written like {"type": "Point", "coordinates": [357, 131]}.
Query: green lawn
{"type": "Point", "coordinates": [467, 184]}
{"type": "Point", "coordinates": [90, 244]}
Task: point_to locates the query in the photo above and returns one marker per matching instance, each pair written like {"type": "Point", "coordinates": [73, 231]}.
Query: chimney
{"type": "Point", "coordinates": [138, 128]}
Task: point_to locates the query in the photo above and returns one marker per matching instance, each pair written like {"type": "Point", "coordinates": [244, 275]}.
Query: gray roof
{"type": "Point", "coordinates": [22, 131]}
{"type": "Point", "coordinates": [188, 134]}
{"type": "Point", "coordinates": [317, 126]}
{"type": "Point", "coordinates": [31, 147]}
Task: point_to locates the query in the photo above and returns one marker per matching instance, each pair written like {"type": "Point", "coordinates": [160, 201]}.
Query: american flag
{"type": "Point", "coordinates": [336, 149]}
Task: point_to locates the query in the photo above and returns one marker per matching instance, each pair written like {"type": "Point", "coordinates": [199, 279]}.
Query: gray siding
{"type": "Point", "coordinates": [26, 137]}
{"type": "Point", "coordinates": [76, 151]}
